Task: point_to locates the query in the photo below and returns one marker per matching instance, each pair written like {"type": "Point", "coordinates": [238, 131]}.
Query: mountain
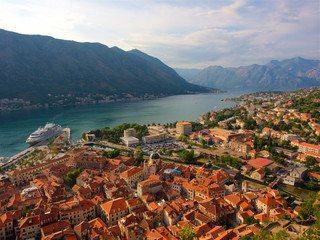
{"type": "Point", "coordinates": [34, 67]}
{"type": "Point", "coordinates": [288, 74]}
{"type": "Point", "coordinates": [187, 73]}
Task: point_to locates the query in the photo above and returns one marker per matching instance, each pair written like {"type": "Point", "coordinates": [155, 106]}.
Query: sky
{"type": "Point", "coordinates": [181, 33]}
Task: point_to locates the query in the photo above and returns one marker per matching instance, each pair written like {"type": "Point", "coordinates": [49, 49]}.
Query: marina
{"type": "Point", "coordinates": [63, 138]}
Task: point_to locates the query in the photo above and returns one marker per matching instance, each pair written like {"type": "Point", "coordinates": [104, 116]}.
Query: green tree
{"type": "Point", "coordinates": [169, 152]}
{"type": "Point", "coordinates": [140, 156]}
{"type": "Point", "coordinates": [187, 233]}
{"type": "Point", "coordinates": [266, 222]}
{"type": "Point", "coordinates": [113, 135]}
{"type": "Point", "coordinates": [251, 220]}
{"type": "Point", "coordinates": [285, 216]}
{"type": "Point", "coordinates": [183, 139]}
{"type": "Point", "coordinates": [27, 210]}
{"type": "Point", "coordinates": [312, 233]}
{"type": "Point", "coordinates": [111, 154]}
{"type": "Point", "coordinates": [281, 235]}
{"type": "Point", "coordinates": [72, 176]}
{"type": "Point", "coordinates": [129, 154]}
{"type": "Point", "coordinates": [250, 123]}
{"type": "Point", "coordinates": [196, 126]}
{"type": "Point", "coordinates": [231, 161]}
{"type": "Point", "coordinates": [262, 235]}
{"type": "Point", "coordinates": [83, 135]}
{"type": "Point", "coordinates": [139, 159]}
{"type": "Point", "coordinates": [187, 156]}
{"type": "Point", "coordinates": [306, 208]}
{"type": "Point", "coordinates": [310, 161]}
{"type": "Point", "coordinates": [203, 142]}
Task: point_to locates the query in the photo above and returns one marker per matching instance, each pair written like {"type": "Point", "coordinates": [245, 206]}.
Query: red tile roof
{"type": "Point", "coordinates": [132, 171]}
{"type": "Point", "coordinates": [268, 201]}
{"type": "Point", "coordinates": [262, 162]}
{"type": "Point", "coordinates": [310, 145]}
{"type": "Point", "coordinates": [114, 206]}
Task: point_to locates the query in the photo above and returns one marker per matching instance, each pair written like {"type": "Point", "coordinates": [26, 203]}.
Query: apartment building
{"type": "Point", "coordinates": [28, 228]}
{"type": "Point", "coordinates": [154, 138]}
{"type": "Point", "coordinates": [77, 211]}
{"type": "Point", "coordinates": [132, 176]}
{"type": "Point", "coordinates": [149, 186]}
{"type": "Point", "coordinates": [114, 210]}
{"type": "Point", "coordinates": [307, 147]}
{"type": "Point", "coordinates": [183, 128]}
{"type": "Point", "coordinates": [241, 147]}
{"type": "Point", "coordinates": [24, 176]}
{"type": "Point", "coordinates": [266, 204]}
{"type": "Point", "coordinates": [258, 174]}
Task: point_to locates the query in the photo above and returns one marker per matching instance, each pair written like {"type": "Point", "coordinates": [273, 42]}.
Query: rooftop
{"type": "Point", "coordinates": [261, 162]}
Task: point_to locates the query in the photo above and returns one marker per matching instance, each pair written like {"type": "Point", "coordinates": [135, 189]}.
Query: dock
{"type": "Point", "coordinates": [18, 156]}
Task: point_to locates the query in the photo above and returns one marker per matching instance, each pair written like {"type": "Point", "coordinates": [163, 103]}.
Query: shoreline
{"type": "Point", "coordinates": [117, 100]}
{"type": "Point", "coordinates": [61, 115]}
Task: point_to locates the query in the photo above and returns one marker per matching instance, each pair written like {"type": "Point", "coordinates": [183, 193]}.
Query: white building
{"type": "Point", "coordinates": [129, 141]}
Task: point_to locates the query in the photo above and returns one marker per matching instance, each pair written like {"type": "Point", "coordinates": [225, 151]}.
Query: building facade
{"type": "Point", "coordinates": [183, 128]}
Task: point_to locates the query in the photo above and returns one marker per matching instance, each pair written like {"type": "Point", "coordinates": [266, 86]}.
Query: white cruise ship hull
{"type": "Point", "coordinates": [47, 133]}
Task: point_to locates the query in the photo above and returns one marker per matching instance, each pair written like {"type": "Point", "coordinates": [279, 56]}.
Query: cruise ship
{"type": "Point", "coordinates": [49, 131]}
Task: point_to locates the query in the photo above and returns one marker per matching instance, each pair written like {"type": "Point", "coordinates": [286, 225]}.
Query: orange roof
{"type": "Point", "coordinates": [183, 123]}
{"type": "Point", "coordinates": [262, 162]}
{"type": "Point", "coordinates": [154, 205]}
{"type": "Point", "coordinates": [310, 145]}
{"type": "Point", "coordinates": [29, 221]}
{"type": "Point", "coordinates": [55, 227]}
{"type": "Point", "coordinates": [234, 199]}
{"type": "Point", "coordinates": [244, 205]}
{"type": "Point", "coordinates": [316, 155]}
{"type": "Point", "coordinates": [261, 217]}
{"type": "Point", "coordinates": [218, 177]}
{"type": "Point", "coordinates": [131, 172]}
{"type": "Point", "coordinates": [149, 182]}
{"type": "Point", "coordinates": [133, 202]}
{"type": "Point", "coordinates": [114, 206]}
{"type": "Point", "coordinates": [97, 223]}
{"type": "Point", "coordinates": [39, 166]}
{"type": "Point", "coordinates": [260, 171]}
{"type": "Point", "coordinates": [6, 217]}
{"type": "Point", "coordinates": [70, 237]}
{"type": "Point", "coordinates": [314, 175]}
{"type": "Point", "coordinates": [268, 201]}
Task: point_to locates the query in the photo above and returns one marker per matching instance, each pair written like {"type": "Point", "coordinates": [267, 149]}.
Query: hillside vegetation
{"type": "Point", "coordinates": [39, 68]}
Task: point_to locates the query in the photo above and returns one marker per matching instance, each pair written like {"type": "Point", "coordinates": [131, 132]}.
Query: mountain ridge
{"type": "Point", "coordinates": [288, 74]}
{"type": "Point", "coordinates": [34, 67]}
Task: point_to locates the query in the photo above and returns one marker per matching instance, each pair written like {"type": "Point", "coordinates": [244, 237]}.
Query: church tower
{"type": "Point", "coordinates": [151, 166]}
{"type": "Point", "coordinates": [244, 186]}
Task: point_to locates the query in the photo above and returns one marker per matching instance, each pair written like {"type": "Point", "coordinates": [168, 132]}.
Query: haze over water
{"type": "Point", "coordinates": [15, 127]}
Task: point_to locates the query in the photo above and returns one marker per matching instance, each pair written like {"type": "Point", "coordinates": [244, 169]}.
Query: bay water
{"type": "Point", "coordinates": [16, 126]}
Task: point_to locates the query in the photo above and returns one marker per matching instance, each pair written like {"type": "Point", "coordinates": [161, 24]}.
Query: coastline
{"type": "Point", "coordinates": [17, 125]}
{"type": "Point", "coordinates": [9, 105]}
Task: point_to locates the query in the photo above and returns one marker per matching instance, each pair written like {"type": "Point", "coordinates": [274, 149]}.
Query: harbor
{"type": "Point", "coordinates": [63, 138]}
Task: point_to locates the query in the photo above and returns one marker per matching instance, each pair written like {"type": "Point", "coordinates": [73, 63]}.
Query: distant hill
{"type": "Point", "coordinates": [288, 74]}
{"type": "Point", "coordinates": [33, 67]}
{"type": "Point", "coordinates": [187, 73]}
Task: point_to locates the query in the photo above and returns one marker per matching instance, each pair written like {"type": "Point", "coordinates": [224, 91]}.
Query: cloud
{"type": "Point", "coordinates": [181, 33]}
